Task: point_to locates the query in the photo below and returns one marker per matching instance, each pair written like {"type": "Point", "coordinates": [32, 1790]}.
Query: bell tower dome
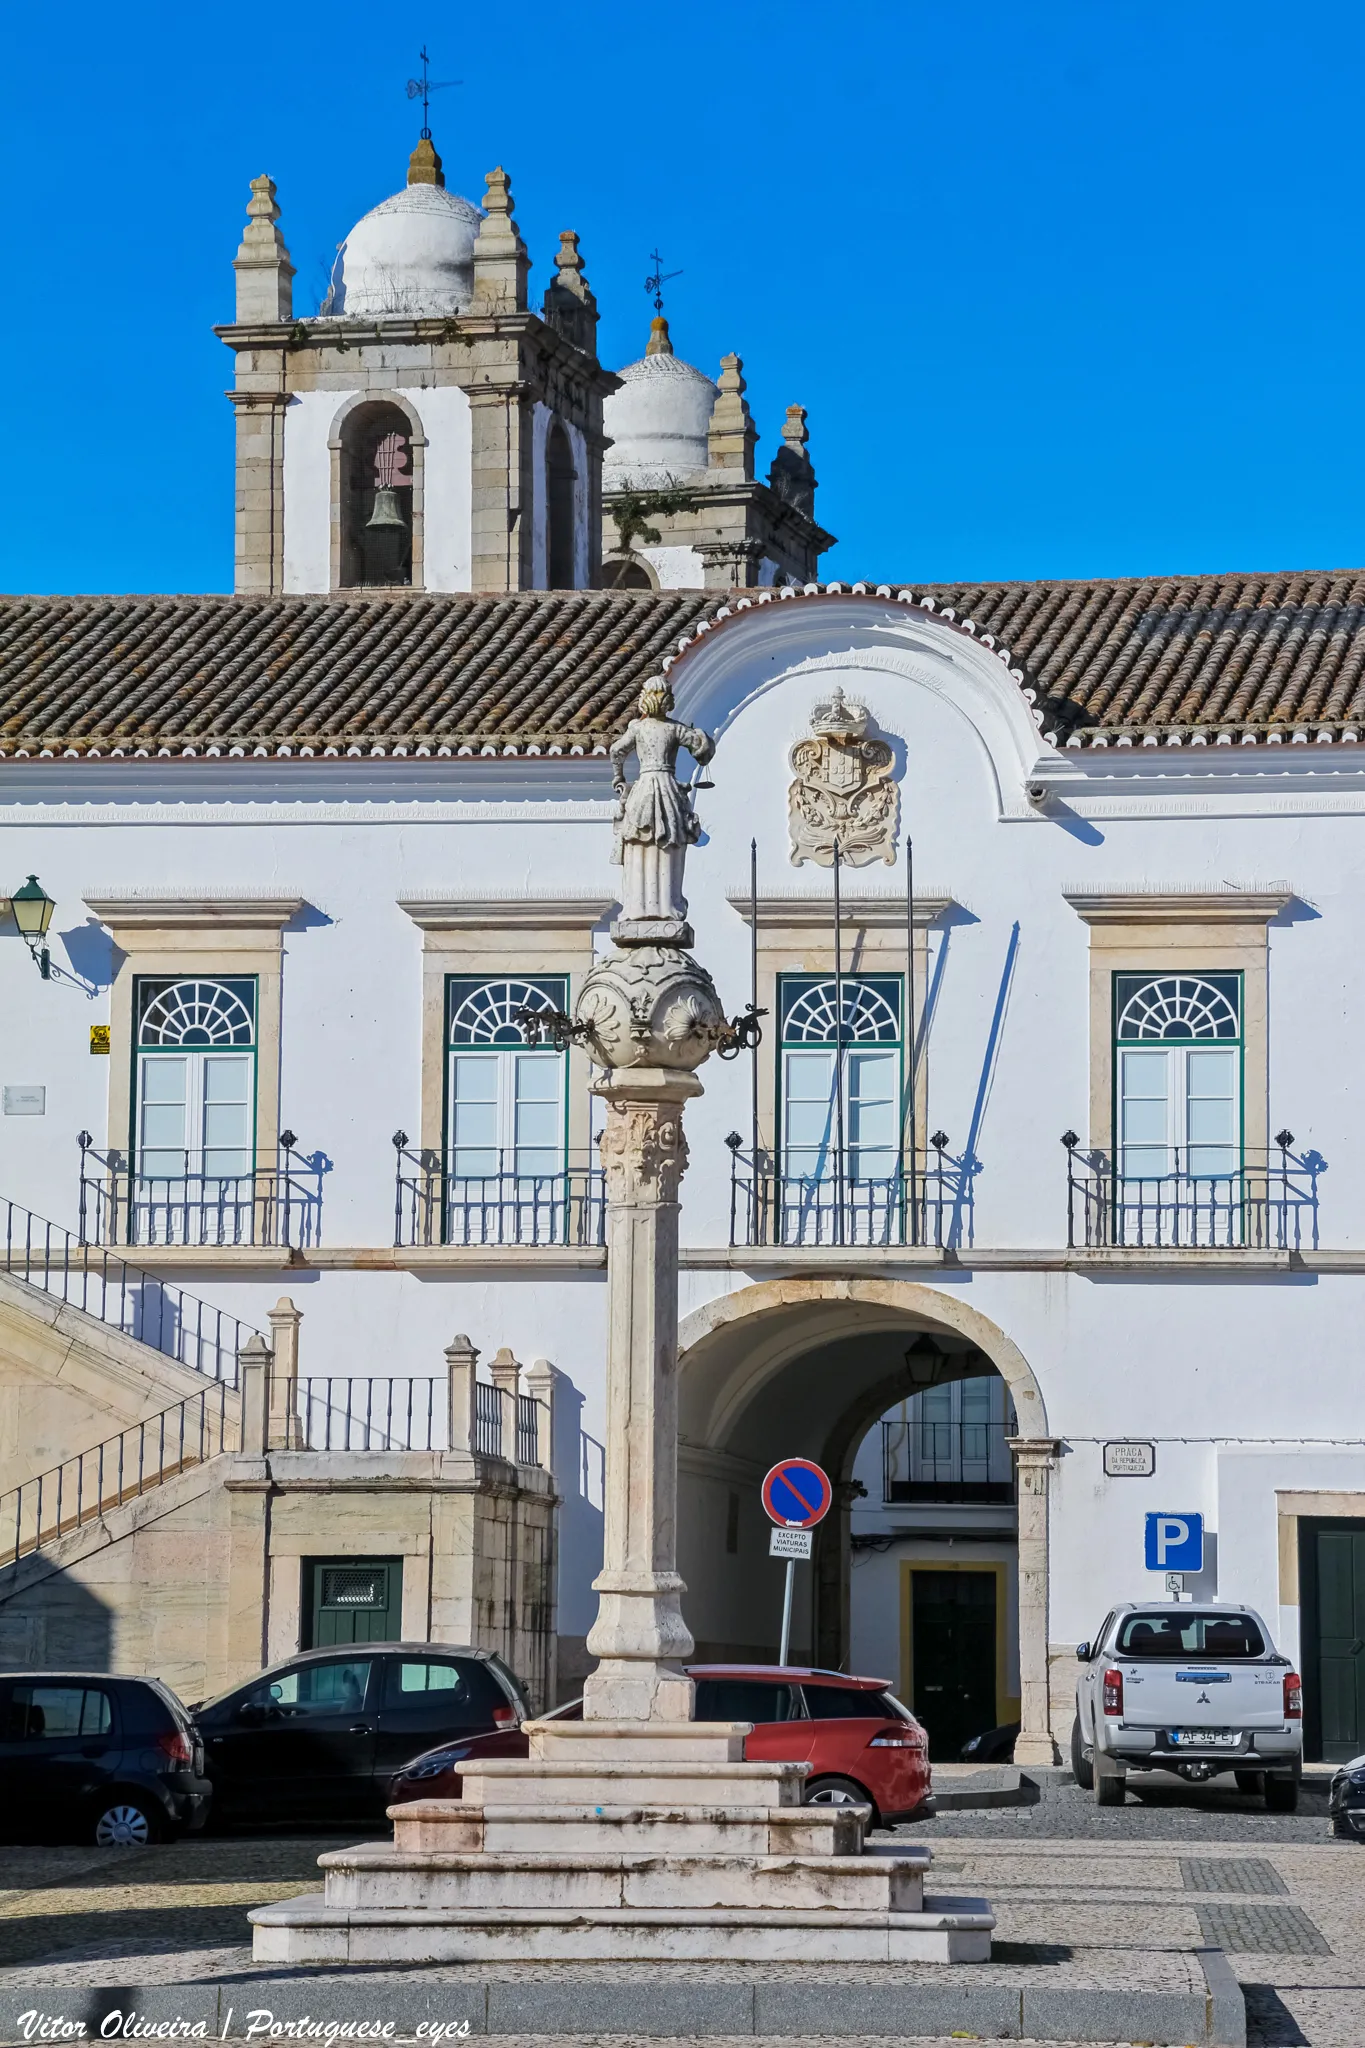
{"type": "Point", "coordinates": [683, 505]}
{"type": "Point", "coordinates": [424, 429]}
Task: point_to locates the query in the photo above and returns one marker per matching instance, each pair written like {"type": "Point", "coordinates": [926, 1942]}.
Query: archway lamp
{"type": "Point", "coordinates": [33, 908]}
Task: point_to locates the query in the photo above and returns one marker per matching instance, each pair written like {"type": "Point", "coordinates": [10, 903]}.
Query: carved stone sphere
{"type": "Point", "coordinates": [650, 1006]}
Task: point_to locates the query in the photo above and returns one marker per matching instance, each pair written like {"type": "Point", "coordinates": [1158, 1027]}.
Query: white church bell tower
{"type": "Point", "coordinates": [424, 430]}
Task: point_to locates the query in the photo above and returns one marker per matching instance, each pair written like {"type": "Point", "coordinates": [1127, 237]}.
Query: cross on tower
{"type": "Point", "coordinates": [658, 278]}
{"type": "Point", "coordinates": [422, 88]}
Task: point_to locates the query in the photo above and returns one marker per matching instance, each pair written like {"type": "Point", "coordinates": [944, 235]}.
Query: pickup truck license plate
{"type": "Point", "coordinates": [1204, 1738]}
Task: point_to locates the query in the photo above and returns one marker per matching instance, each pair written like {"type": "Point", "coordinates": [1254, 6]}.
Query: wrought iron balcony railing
{"type": "Point", "coordinates": [340, 1413]}
{"type": "Point", "coordinates": [1267, 1201]}
{"type": "Point", "coordinates": [924, 1460]}
{"type": "Point", "coordinates": [841, 1206]}
{"type": "Point", "coordinates": [514, 1203]}
{"type": "Point", "coordinates": [122, 1203]}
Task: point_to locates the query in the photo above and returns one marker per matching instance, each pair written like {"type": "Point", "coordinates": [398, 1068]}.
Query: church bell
{"type": "Point", "coordinates": [386, 539]}
{"type": "Point", "coordinates": [386, 512]}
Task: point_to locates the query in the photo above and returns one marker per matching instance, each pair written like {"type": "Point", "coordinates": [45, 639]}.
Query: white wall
{"type": "Point", "coordinates": [1246, 1354]}
{"type": "Point", "coordinates": [676, 568]}
{"type": "Point", "coordinates": [447, 483]}
{"type": "Point", "coordinates": [308, 489]}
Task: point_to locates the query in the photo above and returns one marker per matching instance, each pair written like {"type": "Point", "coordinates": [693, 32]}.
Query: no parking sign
{"type": "Point", "coordinates": [797, 1494]}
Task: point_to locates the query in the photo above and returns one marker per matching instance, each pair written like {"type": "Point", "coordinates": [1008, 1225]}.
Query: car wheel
{"type": "Point", "coordinates": [126, 1823]}
{"type": "Point", "coordinates": [1281, 1794]}
{"type": "Point", "coordinates": [1250, 1781]}
{"type": "Point", "coordinates": [1082, 1765]}
{"type": "Point", "coordinates": [840, 1792]}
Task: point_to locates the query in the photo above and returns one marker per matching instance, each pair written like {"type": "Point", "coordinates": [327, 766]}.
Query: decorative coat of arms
{"type": "Point", "coordinates": [842, 790]}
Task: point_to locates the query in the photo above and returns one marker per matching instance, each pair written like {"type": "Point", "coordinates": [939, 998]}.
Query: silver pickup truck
{"type": "Point", "coordinates": [1190, 1689]}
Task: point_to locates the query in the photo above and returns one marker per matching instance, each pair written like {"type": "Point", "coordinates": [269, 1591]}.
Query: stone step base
{"type": "Point", "coordinates": [642, 1741]}
{"type": "Point", "coordinates": [376, 1878]}
{"type": "Point", "coordinates": [307, 1930]}
{"type": "Point", "coordinates": [506, 1827]}
{"type": "Point", "coordinates": [624, 1780]}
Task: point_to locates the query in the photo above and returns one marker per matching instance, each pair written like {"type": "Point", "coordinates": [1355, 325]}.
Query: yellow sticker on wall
{"type": "Point", "coordinates": [99, 1038]}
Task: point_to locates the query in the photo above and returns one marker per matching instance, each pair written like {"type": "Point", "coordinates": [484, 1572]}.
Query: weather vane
{"type": "Point", "coordinates": [422, 88]}
{"type": "Point", "coordinates": [658, 278]}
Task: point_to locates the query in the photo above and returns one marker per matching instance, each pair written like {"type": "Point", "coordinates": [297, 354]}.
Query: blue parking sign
{"type": "Point", "coordinates": [1175, 1543]}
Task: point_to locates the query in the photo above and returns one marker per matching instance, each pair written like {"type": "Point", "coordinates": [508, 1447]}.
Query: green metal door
{"type": "Point", "coordinates": [1334, 1637]}
{"type": "Point", "coordinates": [352, 1600]}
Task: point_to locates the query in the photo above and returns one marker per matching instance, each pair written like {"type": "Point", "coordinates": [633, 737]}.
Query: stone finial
{"type": "Point", "coordinates": [265, 276]}
{"type": "Point", "coordinates": [253, 1392]}
{"type": "Point", "coordinates": [461, 1360]}
{"type": "Point", "coordinates": [791, 475]}
{"type": "Point", "coordinates": [569, 269]}
{"type": "Point", "coordinates": [659, 343]}
{"type": "Point", "coordinates": [570, 304]}
{"type": "Point", "coordinates": [424, 165]}
{"type": "Point", "coordinates": [541, 1382]}
{"type": "Point", "coordinates": [505, 1373]}
{"type": "Point", "coordinates": [730, 440]}
{"type": "Point", "coordinates": [500, 258]}
{"type": "Point", "coordinates": [284, 1430]}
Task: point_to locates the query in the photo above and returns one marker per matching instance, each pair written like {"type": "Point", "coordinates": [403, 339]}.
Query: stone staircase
{"type": "Point", "coordinates": [626, 1841]}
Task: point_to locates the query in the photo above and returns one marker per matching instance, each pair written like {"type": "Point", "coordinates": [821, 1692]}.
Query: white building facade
{"type": "Point", "coordinates": [1146, 948]}
{"type": "Point", "coordinates": [1037, 1210]}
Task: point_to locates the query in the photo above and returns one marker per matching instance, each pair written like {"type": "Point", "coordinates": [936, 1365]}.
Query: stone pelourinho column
{"type": "Point", "coordinates": [640, 1635]}
{"type": "Point", "coordinates": [1034, 1457]}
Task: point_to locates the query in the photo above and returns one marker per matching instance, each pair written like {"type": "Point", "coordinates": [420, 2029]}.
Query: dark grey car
{"type": "Point", "coordinates": [87, 1756]}
{"type": "Point", "coordinates": [319, 1738]}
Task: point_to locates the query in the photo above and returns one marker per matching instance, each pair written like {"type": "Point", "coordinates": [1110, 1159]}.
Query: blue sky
{"type": "Point", "coordinates": [1067, 289]}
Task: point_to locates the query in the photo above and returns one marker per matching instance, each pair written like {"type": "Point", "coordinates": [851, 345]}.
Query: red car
{"type": "Point", "coordinates": [862, 1745]}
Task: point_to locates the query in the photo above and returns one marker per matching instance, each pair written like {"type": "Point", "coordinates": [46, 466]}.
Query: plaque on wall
{"type": "Point", "coordinates": [1129, 1460]}
{"type": "Point", "coordinates": [22, 1101]}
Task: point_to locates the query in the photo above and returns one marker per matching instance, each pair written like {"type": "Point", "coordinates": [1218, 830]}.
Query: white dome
{"type": "Point", "coordinates": [412, 254]}
{"type": "Point", "coordinates": [657, 422]}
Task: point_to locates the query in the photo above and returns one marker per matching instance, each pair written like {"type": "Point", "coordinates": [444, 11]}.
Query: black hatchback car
{"type": "Point", "coordinates": [321, 1737]}
{"type": "Point", "coordinates": [101, 1759]}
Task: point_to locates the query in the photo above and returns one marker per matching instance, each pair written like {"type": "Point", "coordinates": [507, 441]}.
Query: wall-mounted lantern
{"type": "Point", "coordinates": [33, 908]}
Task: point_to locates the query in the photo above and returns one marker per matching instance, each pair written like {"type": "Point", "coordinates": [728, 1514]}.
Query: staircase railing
{"type": "Point", "coordinates": [80, 1489]}
{"type": "Point", "coordinates": [101, 1284]}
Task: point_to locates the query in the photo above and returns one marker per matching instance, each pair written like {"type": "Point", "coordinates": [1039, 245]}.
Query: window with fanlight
{"type": "Point", "coordinates": [194, 1104]}
{"type": "Point", "coordinates": [840, 1069]}
{"type": "Point", "coordinates": [1177, 1075]}
{"type": "Point", "coordinates": [505, 1101]}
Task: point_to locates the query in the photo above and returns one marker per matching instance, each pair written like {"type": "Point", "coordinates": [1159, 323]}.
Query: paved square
{"type": "Point", "coordinates": [1078, 1906]}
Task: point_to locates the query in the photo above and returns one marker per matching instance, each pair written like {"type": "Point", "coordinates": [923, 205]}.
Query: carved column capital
{"type": "Point", "coordinates": [642, 1148]}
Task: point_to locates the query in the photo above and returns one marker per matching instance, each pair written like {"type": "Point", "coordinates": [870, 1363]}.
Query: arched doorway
{"type": "Point", "coordinates": [808, 1366]}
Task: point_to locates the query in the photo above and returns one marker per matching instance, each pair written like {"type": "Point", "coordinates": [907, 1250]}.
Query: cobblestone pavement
{"type": "Point", "coordinates": [1164, 1806]}
{"type": "Point", "coordinates": [1291, 1916]}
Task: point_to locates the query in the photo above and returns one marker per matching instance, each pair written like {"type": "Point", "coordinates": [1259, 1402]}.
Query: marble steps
{"type": "Point", "coordinates": [308, 1930]}
{"type": "Point", "coordinates": [375, 1877]}
{"type": "Point", "coordinates": [509, 1827]}
{"type": "Point", "coordinates": [564, 1780]}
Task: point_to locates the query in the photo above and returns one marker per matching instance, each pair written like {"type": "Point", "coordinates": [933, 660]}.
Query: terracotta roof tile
{"type": "Point", "coordinates": [1135, 657]}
